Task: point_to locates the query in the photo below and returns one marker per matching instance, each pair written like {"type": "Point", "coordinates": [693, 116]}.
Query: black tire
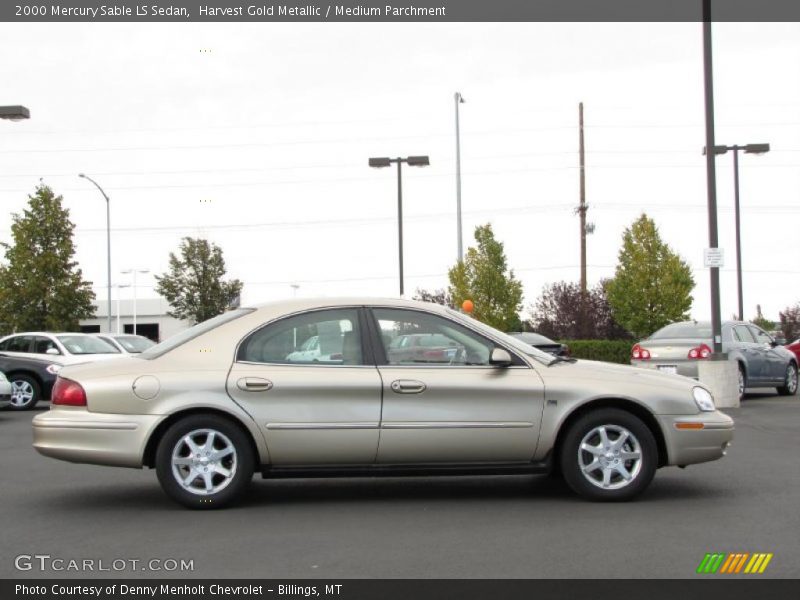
{"type": "Point", "coordinates": [639, 441]}
{"type": "Point", "coordinates": [240, 463]}
{"type": "Point", "coordinates": [25, 392]}
{"type": "Point", "coordinates": [742, 381]}
{"type": "Point", "coordinates": [789, 387]}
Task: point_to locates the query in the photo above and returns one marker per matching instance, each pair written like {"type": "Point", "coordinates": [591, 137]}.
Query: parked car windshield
{"type": "Point", "coordinates": [193, 332]}
{"type": "Point", "coordinates": [86, 344]}
{"type": "Point", "coordinates": [683, 330]}
{"type": "Point", "coordinates": [134, 343]}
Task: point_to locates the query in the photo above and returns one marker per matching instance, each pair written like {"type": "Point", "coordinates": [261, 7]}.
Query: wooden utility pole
{"type": "Point", "coordinates": [582, 207]}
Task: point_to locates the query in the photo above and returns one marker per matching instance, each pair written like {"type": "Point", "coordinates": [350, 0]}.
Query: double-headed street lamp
{"type": "Point", "coordinates": [14, 113]}
{"type": "Point", "coordinates": [412, 161]}
{"type": "Point", "coordinates": [108, 241]}
{"type": "Point", "coordinates": [748, 149]}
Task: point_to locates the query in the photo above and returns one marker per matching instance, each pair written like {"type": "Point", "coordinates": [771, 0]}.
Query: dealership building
{"type": "Point", "coordinates": [152, 320]}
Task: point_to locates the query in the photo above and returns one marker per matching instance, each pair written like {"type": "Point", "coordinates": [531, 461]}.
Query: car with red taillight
{"type": "Point", "coordinates": [679, 347]}
{"type": "Point", "coordinates": [794, 347]}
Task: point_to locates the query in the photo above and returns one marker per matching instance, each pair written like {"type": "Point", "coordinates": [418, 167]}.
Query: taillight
{"type": "Point", "coordinates": [565, 351]}
{"type": "Point", "coordinates": [67, 393]}
{"type": "Point", "coordinates": [699, 353]}
{"type": "Point", "coordinates": [639, 353]}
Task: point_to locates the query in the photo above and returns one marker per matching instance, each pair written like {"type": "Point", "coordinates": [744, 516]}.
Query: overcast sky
{"type": "Point", "coordinates": [257, 136]}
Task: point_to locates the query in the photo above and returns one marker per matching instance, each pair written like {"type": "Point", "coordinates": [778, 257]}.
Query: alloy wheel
{"type": "Point", "coordinates": [791, 379]}
{"type": "Point", "coordinates": [204, 462]}
{"type": "Point", "coordinates": [610, 457]}
{"type": "Point", "coordinates": [22, 394]}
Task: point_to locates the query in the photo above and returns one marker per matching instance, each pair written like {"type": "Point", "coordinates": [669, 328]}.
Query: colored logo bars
{"type": "Point", "coordinates": [734, 563]}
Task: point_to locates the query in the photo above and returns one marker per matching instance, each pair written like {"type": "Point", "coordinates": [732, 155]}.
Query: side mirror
{"type": "Point", "coordinates": [500, 358]}
{"type": "Point", "coordinates": [52, 351]}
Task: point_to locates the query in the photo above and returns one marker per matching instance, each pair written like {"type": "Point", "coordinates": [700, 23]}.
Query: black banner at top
{"type": "Point", "coordinates": [388, 11]}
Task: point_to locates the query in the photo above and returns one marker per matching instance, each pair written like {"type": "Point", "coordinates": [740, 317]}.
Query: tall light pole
{"type": "Point", "coordinates": [412, 161]}
{"type": "Point", "coordinates": [134, 272]}
{"type": "Point", "coordinates": [14, 113]}
{"type": "Point", "coordinates": [108, 241]}
{"type": "Point", "coordinates": [459, 99]}
{"type": "Point", "coordinates": [748, 149]}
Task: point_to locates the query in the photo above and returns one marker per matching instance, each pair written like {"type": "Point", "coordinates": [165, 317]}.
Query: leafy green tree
{"type": "Point", "coordinates": [761, 321]}
{"type": "Point", "coordinates": [193, 286]}
{"type": "Point", "coordinates": [484, 277]}
{"type": "Point", "coordinates": [41, 286]}
{"type": "Point", "coordinates": [652, 285]}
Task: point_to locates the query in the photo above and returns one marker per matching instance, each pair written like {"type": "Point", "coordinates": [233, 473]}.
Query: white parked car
{"type": "Point", "coordinates": [70, 348]}
{"type": "Point", "coordinates": [5, 391]}
{"type": "Point", "coordinates": [127, 343]}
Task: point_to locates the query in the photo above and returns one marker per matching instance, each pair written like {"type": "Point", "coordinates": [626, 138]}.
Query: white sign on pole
{"type": "Point", "coordinates": [714, 257]}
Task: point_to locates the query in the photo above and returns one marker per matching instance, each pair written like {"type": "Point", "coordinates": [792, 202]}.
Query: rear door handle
{"type": "Point", "coordinates": [254, 384]}
{"type": "Point", "coordinates": [408, 386]}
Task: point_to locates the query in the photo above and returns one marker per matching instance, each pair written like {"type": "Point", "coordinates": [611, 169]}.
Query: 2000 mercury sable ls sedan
{"type": "Point", "coordinates": [222, 400]}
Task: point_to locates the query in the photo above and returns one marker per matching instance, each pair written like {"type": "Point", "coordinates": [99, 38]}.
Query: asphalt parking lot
{"type": "Point", "coordinates": [451, 527]}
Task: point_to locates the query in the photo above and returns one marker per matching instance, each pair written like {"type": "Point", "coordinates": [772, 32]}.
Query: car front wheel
{"type": "Point", "coordinates": [204, 461]}
{"type": "Point", "coordinates": [789, 387]}
{"type": "Point", "coordinates": [608, 455]}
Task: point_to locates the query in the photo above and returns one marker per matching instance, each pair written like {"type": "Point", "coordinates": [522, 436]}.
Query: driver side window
{"type": "Point", "coordinates": [417, 338]}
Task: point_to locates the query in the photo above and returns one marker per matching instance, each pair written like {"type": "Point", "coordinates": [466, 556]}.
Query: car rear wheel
{"type": "Point", "coordinates": [204, 461]}
{"type": "Point", "coordinates": [789, 387]}
{"type": "Point", "coordinates": [25, 392]}
{"type": "Point", "coordinates": [609, 455]}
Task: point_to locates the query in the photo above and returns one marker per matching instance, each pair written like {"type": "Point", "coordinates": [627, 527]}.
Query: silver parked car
{"type": "Point", "coordinates": [66, 348]}
{"type": "Point", "coordinates": [762, 362]}
{"type": "Point", "coordinates": [212, 405]}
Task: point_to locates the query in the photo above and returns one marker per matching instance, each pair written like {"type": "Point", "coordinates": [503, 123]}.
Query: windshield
{"type": "Point", "coordinates": [134, 343]}
{"type": "Point", "coordinates": [86, 344]}
{"type": "Point", "coordinates": [518, 345]}
{"type": "Point", "coordinates": [193, 332]}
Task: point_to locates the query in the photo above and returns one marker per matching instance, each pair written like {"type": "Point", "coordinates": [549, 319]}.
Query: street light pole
{"type": "Point", "coordinates": [459, 99]}
{"type": "Point", "coordinates": [108, 241]}
{"type": "Point", "coordinates": [748, 149]}
{"type": "Point", "coordinates": [412, 161]}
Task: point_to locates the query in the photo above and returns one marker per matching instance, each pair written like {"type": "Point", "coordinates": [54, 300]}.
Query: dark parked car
{"type": "Point", "coordinates": [31, 379]}
{"type": "Point", "coordinates": [541, 342]}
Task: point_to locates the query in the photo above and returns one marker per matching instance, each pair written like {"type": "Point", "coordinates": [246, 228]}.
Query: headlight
{"type": "Point", "coordinates": [53, 369]}
{"type": "Point", "coordinates": [703, 399]}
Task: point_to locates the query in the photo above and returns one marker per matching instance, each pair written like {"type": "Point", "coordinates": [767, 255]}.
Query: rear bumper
{"type": "Point", "coordinates": [687, 368]}
{"type": "Point", "coordinates": [77, 435]}
{"type": "Point", "coordinates": [707, 440]}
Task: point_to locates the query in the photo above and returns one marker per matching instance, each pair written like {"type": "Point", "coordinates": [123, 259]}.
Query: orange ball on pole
{"type": "Point", "coordinates": [467, 306]}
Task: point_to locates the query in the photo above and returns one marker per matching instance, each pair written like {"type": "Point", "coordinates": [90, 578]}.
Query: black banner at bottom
{"type": "Point", "coordinates": [734, 588]}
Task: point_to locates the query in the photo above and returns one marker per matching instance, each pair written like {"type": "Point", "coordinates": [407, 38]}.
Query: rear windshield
{"type": "Point", "coordinates": [532, 338]}
{"type": "Point", "coordinates": [193, 332]}
{"type": "Point", "coordinates": [683, 330]}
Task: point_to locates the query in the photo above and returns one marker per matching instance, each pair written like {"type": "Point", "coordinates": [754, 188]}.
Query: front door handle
{"type": "Point", "coordinates": [408, 386]}
{"type": "Point", "coordinates": [254, 384]}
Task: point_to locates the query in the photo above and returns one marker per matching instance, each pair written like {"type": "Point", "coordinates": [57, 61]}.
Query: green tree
{"type": "Point", "coordinates": [652, 285]}
{"type": "Point", "coordinates": [483, 277]}
{"type": "Point", "coordinates": [41, 286]}
{"type": "Point", "coordinates": [193, 286]}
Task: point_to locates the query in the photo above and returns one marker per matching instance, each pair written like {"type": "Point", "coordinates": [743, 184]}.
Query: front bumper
{"type": "Point", "coordinates": [707, 438]}
{"type": "Point", "coordinates": [77, 435]}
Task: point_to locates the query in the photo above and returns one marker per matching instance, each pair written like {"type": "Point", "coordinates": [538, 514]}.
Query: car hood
{"type": "Point", "coordinates": [611, 373]}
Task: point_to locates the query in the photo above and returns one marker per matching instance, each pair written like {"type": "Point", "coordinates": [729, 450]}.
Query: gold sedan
{"type": "Point", "coordinates": [235, 395]}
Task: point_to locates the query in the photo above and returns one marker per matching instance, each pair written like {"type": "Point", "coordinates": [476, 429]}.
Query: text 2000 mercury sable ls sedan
{"type": "Point", "coordinates": [220, 401]}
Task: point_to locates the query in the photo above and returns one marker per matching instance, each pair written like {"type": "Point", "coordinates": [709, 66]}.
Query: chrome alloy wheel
{"type": "Point", "coordinates": [610, 457]}
{"type": "Point", "coordinates": [791, 379]}
{"type": "Point", "coordinates": [204, 462]}
{"type": "Point", "coordinates": [21, 393]}
{"type": "Point", "coordinates": [741, 382]}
